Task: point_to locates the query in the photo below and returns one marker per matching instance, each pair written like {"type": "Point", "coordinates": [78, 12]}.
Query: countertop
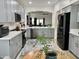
{"type": "Point", "coordinates": [74, 32]}
{"type": "Point", "coordinates": [11, 35]}
{"type": "Point", "coordinates": [36, 27]}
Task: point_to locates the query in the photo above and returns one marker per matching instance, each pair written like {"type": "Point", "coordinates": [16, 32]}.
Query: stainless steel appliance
{"type": "Point", "coordinates": [4, 30]}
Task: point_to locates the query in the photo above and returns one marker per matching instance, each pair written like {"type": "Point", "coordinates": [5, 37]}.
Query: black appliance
{"type": "Point", "coordinates": [4, 30]}
{"type": "Point", "coordinates": [44, 21]}
{"type": "Point", "coordinates": [17, 17]}
{"type": "Point", "coordinates": [63, 30]}
{"type": "Point", "coordinates": [30, 22]}
{"type": "Point", "coordinates": [27, 20]}
{"type": "Point", "coordinates": [23, 38]}
{"type": "Point", "coordinates": [35, 21]}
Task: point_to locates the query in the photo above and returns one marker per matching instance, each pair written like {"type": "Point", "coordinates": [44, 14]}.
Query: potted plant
{"type": "Point", "coordinates": [43, 41]}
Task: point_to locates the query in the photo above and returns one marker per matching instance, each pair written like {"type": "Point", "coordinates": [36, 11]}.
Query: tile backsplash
{"type": "Point", "coordinates": [7, 23]}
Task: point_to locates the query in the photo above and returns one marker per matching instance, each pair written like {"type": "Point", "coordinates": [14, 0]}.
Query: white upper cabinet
{"type": "Point", "coordinates": [20, 10]}
{"type": "Point", "coordinates": [77, 13]}
{"type": "Point", "coordinates": [65, 3]}
{"type": "Point", "coordinates": [2, 11]}
{"type": "Point", "coordinates": [11, 8]}
{"type": "Point", "coordinates": [72, 1]}
{"type": "Point", "coordinates": [7, 10]}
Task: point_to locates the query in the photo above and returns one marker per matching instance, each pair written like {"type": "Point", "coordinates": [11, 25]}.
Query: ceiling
{"type": "Point", "coordinates": [40, 13]}
{"type": "Point", "coordinates": [38, 3]}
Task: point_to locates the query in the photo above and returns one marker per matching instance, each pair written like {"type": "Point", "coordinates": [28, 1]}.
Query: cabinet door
{"type": "Point", "coordinates": [77, 13]}
{"type": "Point", "coordinates": [15, 45]}
{"type": "Point", "coordinates": [40, 32]}
{"type": "Point", "coordinates": [12, 49]}
{"type": "Point", "coordinates": [12, 13]}
{"type": "Point", "coordinates": [28, 34]}
{"type": "Point", "coordinates": [76, 46]}
{"type": "Point", "coordinates": [19, 42]}
{"type": "Point", "coordinates": [8, 9]}
{"type": "Point", "coordinates": [52, 32]}
{"type": "Point", "coordinates": [2, 11]}
{"type": "Point", "coordinates": [73, 1]}
{"type": "Point", "coordinates": [71, 42]}
{"type": "Point", "coordinates": [48, 33]}
{"type": "Point", "coordinates": [44, 32]}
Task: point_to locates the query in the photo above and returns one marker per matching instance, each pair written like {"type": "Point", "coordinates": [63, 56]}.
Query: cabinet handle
{"type": "Point", "coordinates": [76, 44]}
{"type": "Point", "coordinates": [9, 42]}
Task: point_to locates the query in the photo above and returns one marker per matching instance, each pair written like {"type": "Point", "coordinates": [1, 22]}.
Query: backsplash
{"type": "Point", "coordinates": [7, 23]}
{"type": "Point", "coordinates": [11, 25]}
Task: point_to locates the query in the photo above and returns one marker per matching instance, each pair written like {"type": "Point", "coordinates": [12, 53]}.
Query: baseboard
{"type": "Point", "coordinates": [35, 38]}
{"type": "Point", "coordinates": [73, 54]}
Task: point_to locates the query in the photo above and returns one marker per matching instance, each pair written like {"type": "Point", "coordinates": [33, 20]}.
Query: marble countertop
{"type": "Point", "coordinates": [36, 27]}
{"type": "Point", "coordinates": [74, 32]}
{"type": "Point", "coordinates": [11, 35]}
{"type": "Point", "coordinates": [12, 27]}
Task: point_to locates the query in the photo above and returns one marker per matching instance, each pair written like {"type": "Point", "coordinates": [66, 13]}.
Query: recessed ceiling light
{"type": "Point", "coordinates": [30, 2]}
{"type": "Point", "coordinates": [49, 2]}
{"type": "Point", "coordinates": [14, 2]}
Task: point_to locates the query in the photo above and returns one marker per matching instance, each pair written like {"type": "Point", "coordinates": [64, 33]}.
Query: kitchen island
{"type": "Point", "coordinates": [11, 44]}
{"type": "Point", "coordinates": [33, 32]}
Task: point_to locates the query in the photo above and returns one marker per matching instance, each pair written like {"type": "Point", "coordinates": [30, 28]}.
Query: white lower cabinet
{"type": "Point", "coordinates": [28, 33]}
{"type": "Point", "coordinates": [49, 32]}
{"type": "Point", "coordinates": [71, 42]}
{"type": "Point", "coordinates": [11, 47]}
{"type": "Point", "coordinates": [74, 44]}
{"type": "Point", "coordinates": [77, 46]}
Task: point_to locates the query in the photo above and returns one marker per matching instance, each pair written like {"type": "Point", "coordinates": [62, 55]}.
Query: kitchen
{"type": "Point", "coordinates": [17, 34]}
